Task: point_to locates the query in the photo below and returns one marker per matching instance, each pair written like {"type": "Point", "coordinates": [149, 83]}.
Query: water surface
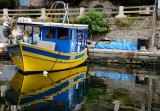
{"type": "Point", "coordinates": [84, 88]}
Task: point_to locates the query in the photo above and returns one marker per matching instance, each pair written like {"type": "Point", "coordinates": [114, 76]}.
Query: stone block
{"type": "Point", "coordinates": [143, 57]}
{"type": "Point", "coordinates": [153, 58]}
{"type": "Point", "coordinates": [122, 56]}
{"type": "Point", "coordinates": [142, 53]}
{"type": "Point", "coordinates": [111, 55]}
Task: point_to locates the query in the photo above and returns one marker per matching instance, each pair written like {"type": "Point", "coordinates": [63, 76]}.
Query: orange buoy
{"type": "Point", "coordinates": [1, 51]}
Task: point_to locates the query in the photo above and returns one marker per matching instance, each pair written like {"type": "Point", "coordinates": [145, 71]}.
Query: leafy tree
{"type": "Point", "coordinates": [7, 4]}
{"type": "Point", "coordinates": [96, 20]}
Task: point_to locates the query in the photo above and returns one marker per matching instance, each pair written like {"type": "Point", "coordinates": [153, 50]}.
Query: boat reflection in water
{"type": "Point", "coordinates": [58, 91]}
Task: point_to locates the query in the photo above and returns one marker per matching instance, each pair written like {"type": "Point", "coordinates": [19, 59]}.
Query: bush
{"type": "Point", "coordinates": [125, 22]}
{"type": "Point", "coordinates": [56, 20]}
{"type": "Point", "coordinates": [96, 20]}
{"type": "Point", "coordinates": [49, 20]}
{"type": "Point", "coordinates": [11, 4]}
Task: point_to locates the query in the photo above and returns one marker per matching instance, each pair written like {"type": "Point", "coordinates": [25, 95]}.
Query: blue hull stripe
{"type": "Point", "coordinates": [49, 54]}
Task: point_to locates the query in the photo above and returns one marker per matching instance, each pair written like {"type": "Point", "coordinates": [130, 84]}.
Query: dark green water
{"type": "Point", "coordinates": [102, 88]}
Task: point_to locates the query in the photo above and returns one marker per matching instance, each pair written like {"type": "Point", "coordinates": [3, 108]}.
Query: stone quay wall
{"type": "Point", "coordinates": [103, 56]}
{"type": "Point", "coordinates": [140, 29]}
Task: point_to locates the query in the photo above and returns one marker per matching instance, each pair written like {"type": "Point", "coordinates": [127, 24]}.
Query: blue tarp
{"type": "Point", "coordinates": [117, 45]}
{"type": "Point", "coordinates": [115, 76]}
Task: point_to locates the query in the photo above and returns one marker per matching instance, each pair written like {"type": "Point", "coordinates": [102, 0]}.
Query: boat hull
{"type": "Point", "coordinates": [34, 58]}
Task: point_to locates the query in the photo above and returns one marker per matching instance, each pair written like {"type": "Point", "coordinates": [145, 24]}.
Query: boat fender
{"type": "Point", "coordinates": [45, 73]}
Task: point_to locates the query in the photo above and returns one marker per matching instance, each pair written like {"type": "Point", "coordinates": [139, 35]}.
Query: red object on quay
{"type": "Point", "coordinates": [1, 51]}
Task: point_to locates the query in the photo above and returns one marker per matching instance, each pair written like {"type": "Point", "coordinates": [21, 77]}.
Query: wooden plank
{"type": "Point", "coordinates": [139, 11]}
{"type": "Point", "coordinates": [21, 10]}
{"type": "Point", "coordinates": [62, 13]}
{"type": "Point", "coordinates": [132, 7]}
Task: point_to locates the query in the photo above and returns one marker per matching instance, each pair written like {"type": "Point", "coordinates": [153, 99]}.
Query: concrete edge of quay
{"type": "Point", "coordinates": [103, 56]}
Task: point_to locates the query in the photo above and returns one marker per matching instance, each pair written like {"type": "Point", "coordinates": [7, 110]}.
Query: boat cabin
{"type": "Point", "coordinates": [67, 38]}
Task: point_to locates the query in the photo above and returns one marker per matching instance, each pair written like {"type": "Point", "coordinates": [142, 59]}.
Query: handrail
{"type": "Point", "coordinates": [24, 14]}
{"type": "Point", "coordinates": [130, 7]}
{"type": "Point", "coordinates": [138, 11]}
{"type": "Point", "coordinates": [76, 11]}
{"type": "Point", "coordinates": [14, 10]}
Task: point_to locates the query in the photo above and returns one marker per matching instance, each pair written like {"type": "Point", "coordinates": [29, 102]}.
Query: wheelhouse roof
{"type": "Point", "coordinates": [76, 26]}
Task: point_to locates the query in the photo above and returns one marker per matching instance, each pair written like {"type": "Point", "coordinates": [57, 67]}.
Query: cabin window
{"type": "Point", "coordinates": [63, 33]}
{"type": "Point", "coordinates": [50, 33]}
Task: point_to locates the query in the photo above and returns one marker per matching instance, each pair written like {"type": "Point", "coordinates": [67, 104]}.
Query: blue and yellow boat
{"type": "Point", "coordinates": [59, 46]}
{"type": "Point", "coordinates": [31, 89]}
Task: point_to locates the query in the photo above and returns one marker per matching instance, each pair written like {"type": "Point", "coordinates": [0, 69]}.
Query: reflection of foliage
{"type": "Point", "coordinates": [156, 105]}
{"type": "Point", "coordinates": [95, 90]}
{"type": "Point", "coordinates": [125, 97]}
{"type": "Point", "coordinates": [2, 100]}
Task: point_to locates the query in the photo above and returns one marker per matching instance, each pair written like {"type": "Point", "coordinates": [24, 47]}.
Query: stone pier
{"type": "Point", "coordinates": [103, 56]}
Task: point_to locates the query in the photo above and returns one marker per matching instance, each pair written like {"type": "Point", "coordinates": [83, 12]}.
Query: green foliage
{"type": "Point", "coordinates": [96, 20]}
{"type": "Point", "coordinates": [59, 20]}
{"type": "Point", "coordinates": [125, 22]}
{"type": "Point", "coordinates": [31, 7]}
{"type": "Point", "coordinates": [7, 4]}
{"type": "Point", "coordinates": [49, 20]}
